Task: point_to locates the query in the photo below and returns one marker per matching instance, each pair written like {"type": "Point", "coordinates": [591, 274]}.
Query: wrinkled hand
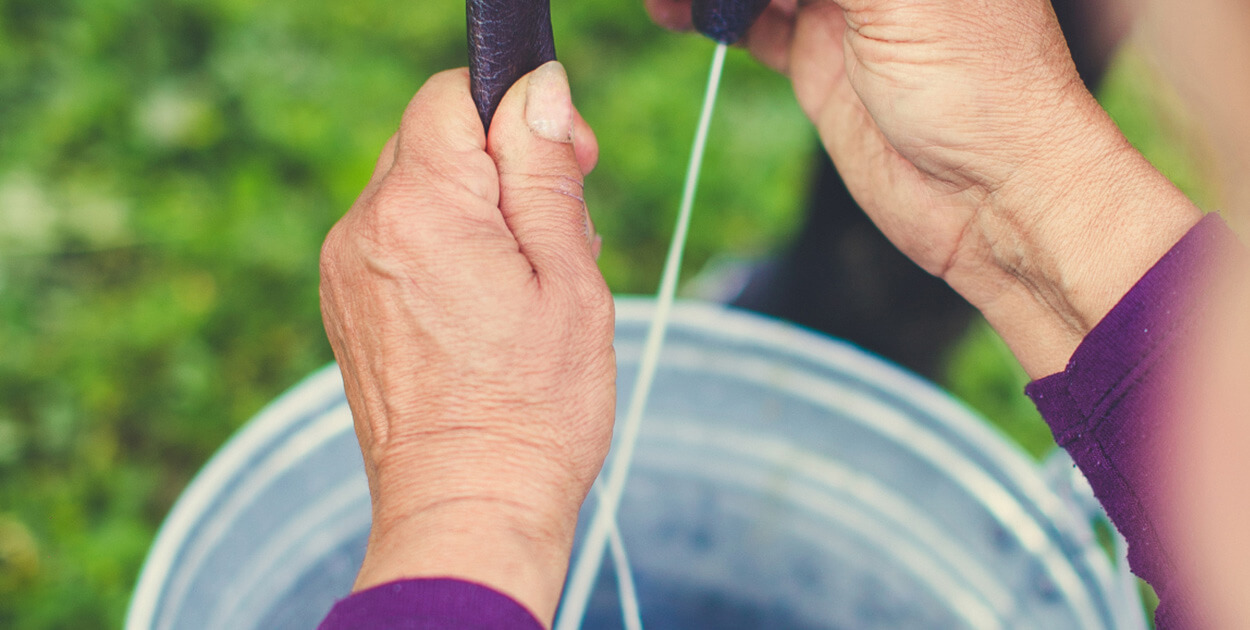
{"type": "Point", "coordinates": [963, 130]}
{"type": "Point", "coordinates": [926, 107]}
{"type": "Point", "coordinates": [474, 332]}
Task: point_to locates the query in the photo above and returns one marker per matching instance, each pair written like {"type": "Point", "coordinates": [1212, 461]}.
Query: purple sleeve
{"type": "Point", "coordinates": [429, 604]}
{"type": "Point", "coordinates": [1106, 409]}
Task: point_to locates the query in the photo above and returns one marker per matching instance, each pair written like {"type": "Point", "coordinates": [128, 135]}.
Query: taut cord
{"type": "Point", "coordinates": [582, 580]}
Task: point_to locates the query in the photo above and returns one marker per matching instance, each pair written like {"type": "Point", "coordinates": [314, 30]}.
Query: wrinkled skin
{"type": "Point", "coordinates": [474, 331]}
{"type": "Point", "coordinates": [962, 129]}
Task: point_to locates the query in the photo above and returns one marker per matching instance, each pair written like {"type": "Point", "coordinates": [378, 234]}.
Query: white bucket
{"type": "Point", "coordinates": [783, 480]}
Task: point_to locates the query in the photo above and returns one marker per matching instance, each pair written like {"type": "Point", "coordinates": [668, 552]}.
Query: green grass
{"type": "Point", "coordinates": [168, 169]}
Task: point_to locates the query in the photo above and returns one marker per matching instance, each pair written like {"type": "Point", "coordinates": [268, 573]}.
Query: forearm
{"type": "Point", "coordinates": [487, 511]}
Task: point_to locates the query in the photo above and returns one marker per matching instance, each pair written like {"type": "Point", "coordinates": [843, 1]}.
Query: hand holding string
{"type": "Point", "coordinates": [962, 129]}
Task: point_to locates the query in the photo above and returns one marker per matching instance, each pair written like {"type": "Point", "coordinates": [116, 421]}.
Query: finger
{"type": "Point", "coordinates": [441, 137]}
{"type": "Point", "coordinates": [386, 160]}
{"type": "Point", "coordinates": [585, 144]}
{"type": "Point", "coordinates": [592, 235]}
{"type": "Point", "coordinates": [541, 196]}
{"type": "Point", "coordinates": [818, 64]}
{"type": "Point", "coordinates": [382, 168]}
{"type": "Point", "coordinates": [586, 148]}
{"type": "Point", "coordinates": [863, 156]}
{"type": "Point", "coordinates": [772, 37]}
{"type": "Point", "coordinates": [671, 14]}
{"type": "Point", "coordinates": [819, 74]}
{"type": "Point", "coordinates": [786, 7]}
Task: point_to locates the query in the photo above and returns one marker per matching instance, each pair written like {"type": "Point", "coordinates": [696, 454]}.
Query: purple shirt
{"type": "Point", "coordinates": [429, 604]}
{"type": "Point", "coordinates": [1109, 408]}
{"type": "Point", "coordinates": [1101, 409]}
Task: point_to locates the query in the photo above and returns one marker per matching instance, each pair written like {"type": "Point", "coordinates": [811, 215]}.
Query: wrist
{"type": "Point", "coordinates": [489, 511]}
{"type": "Point", "coordinates": [1061, 241]}
{"type": "Point", "coordinates": [477, 541]}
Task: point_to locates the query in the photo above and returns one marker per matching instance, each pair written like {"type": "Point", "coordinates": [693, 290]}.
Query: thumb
{"type": "Point", "coordinates": [540, 180]}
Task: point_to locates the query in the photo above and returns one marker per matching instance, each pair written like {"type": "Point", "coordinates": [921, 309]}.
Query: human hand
{"type": "Point", "coordinates": [963, 130]}
{"type": "Point", "coordinates": [474, 332]}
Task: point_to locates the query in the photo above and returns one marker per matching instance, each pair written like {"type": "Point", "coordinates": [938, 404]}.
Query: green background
{"type": "Point", "coordinates": [168, 169]}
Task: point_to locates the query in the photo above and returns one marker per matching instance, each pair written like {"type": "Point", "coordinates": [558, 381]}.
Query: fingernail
{"type": "Point", "coordinates": [549, 103]}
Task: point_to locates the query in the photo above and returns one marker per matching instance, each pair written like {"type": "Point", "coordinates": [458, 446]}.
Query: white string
{"type": "Point", "coordinates": [604, 521]}
{"type": "Point", "coordinates": [631, 613]}
{"type": "Point", "coordinates": [627, 592]}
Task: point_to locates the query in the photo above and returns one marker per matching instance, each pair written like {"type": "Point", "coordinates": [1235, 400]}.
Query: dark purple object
{"type": "Point", "coordinates": [1109, 409]}
{"type": "Point", "coordinates": [429, 604]}
{"type": "Point", "coordinates": [726, 21]}
{"type": "Point", "coordinates": [507, 40]}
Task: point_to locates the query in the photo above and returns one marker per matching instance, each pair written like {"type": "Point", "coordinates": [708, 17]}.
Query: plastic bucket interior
{"type": "Point", "coordinates": [783, 480]}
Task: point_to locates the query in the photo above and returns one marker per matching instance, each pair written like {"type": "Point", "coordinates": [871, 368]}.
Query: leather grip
{"type": "Point", "coordinates": [726, 21]}
{"type": "Point", "coordinates": [507, 40]}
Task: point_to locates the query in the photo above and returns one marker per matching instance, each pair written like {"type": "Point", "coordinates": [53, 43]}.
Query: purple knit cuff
{"type": "Point", "coordinates": [429, 604]}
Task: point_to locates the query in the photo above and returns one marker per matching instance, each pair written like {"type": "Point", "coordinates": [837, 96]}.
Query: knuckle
{"type": "Point", "coordinates": [333, 249]}
{"type": "Point", "coordinates": [403, 212]}
{"type": "Point", "coordinates": [595, 293]}
{"type": "Point", "coordinates": [390, 207]}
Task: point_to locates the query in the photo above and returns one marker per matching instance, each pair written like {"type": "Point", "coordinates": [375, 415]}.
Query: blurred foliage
{"type": "Point", "coordinates": [1152, 116]}
{"type": "Point", "coordinates": [168, 169]}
